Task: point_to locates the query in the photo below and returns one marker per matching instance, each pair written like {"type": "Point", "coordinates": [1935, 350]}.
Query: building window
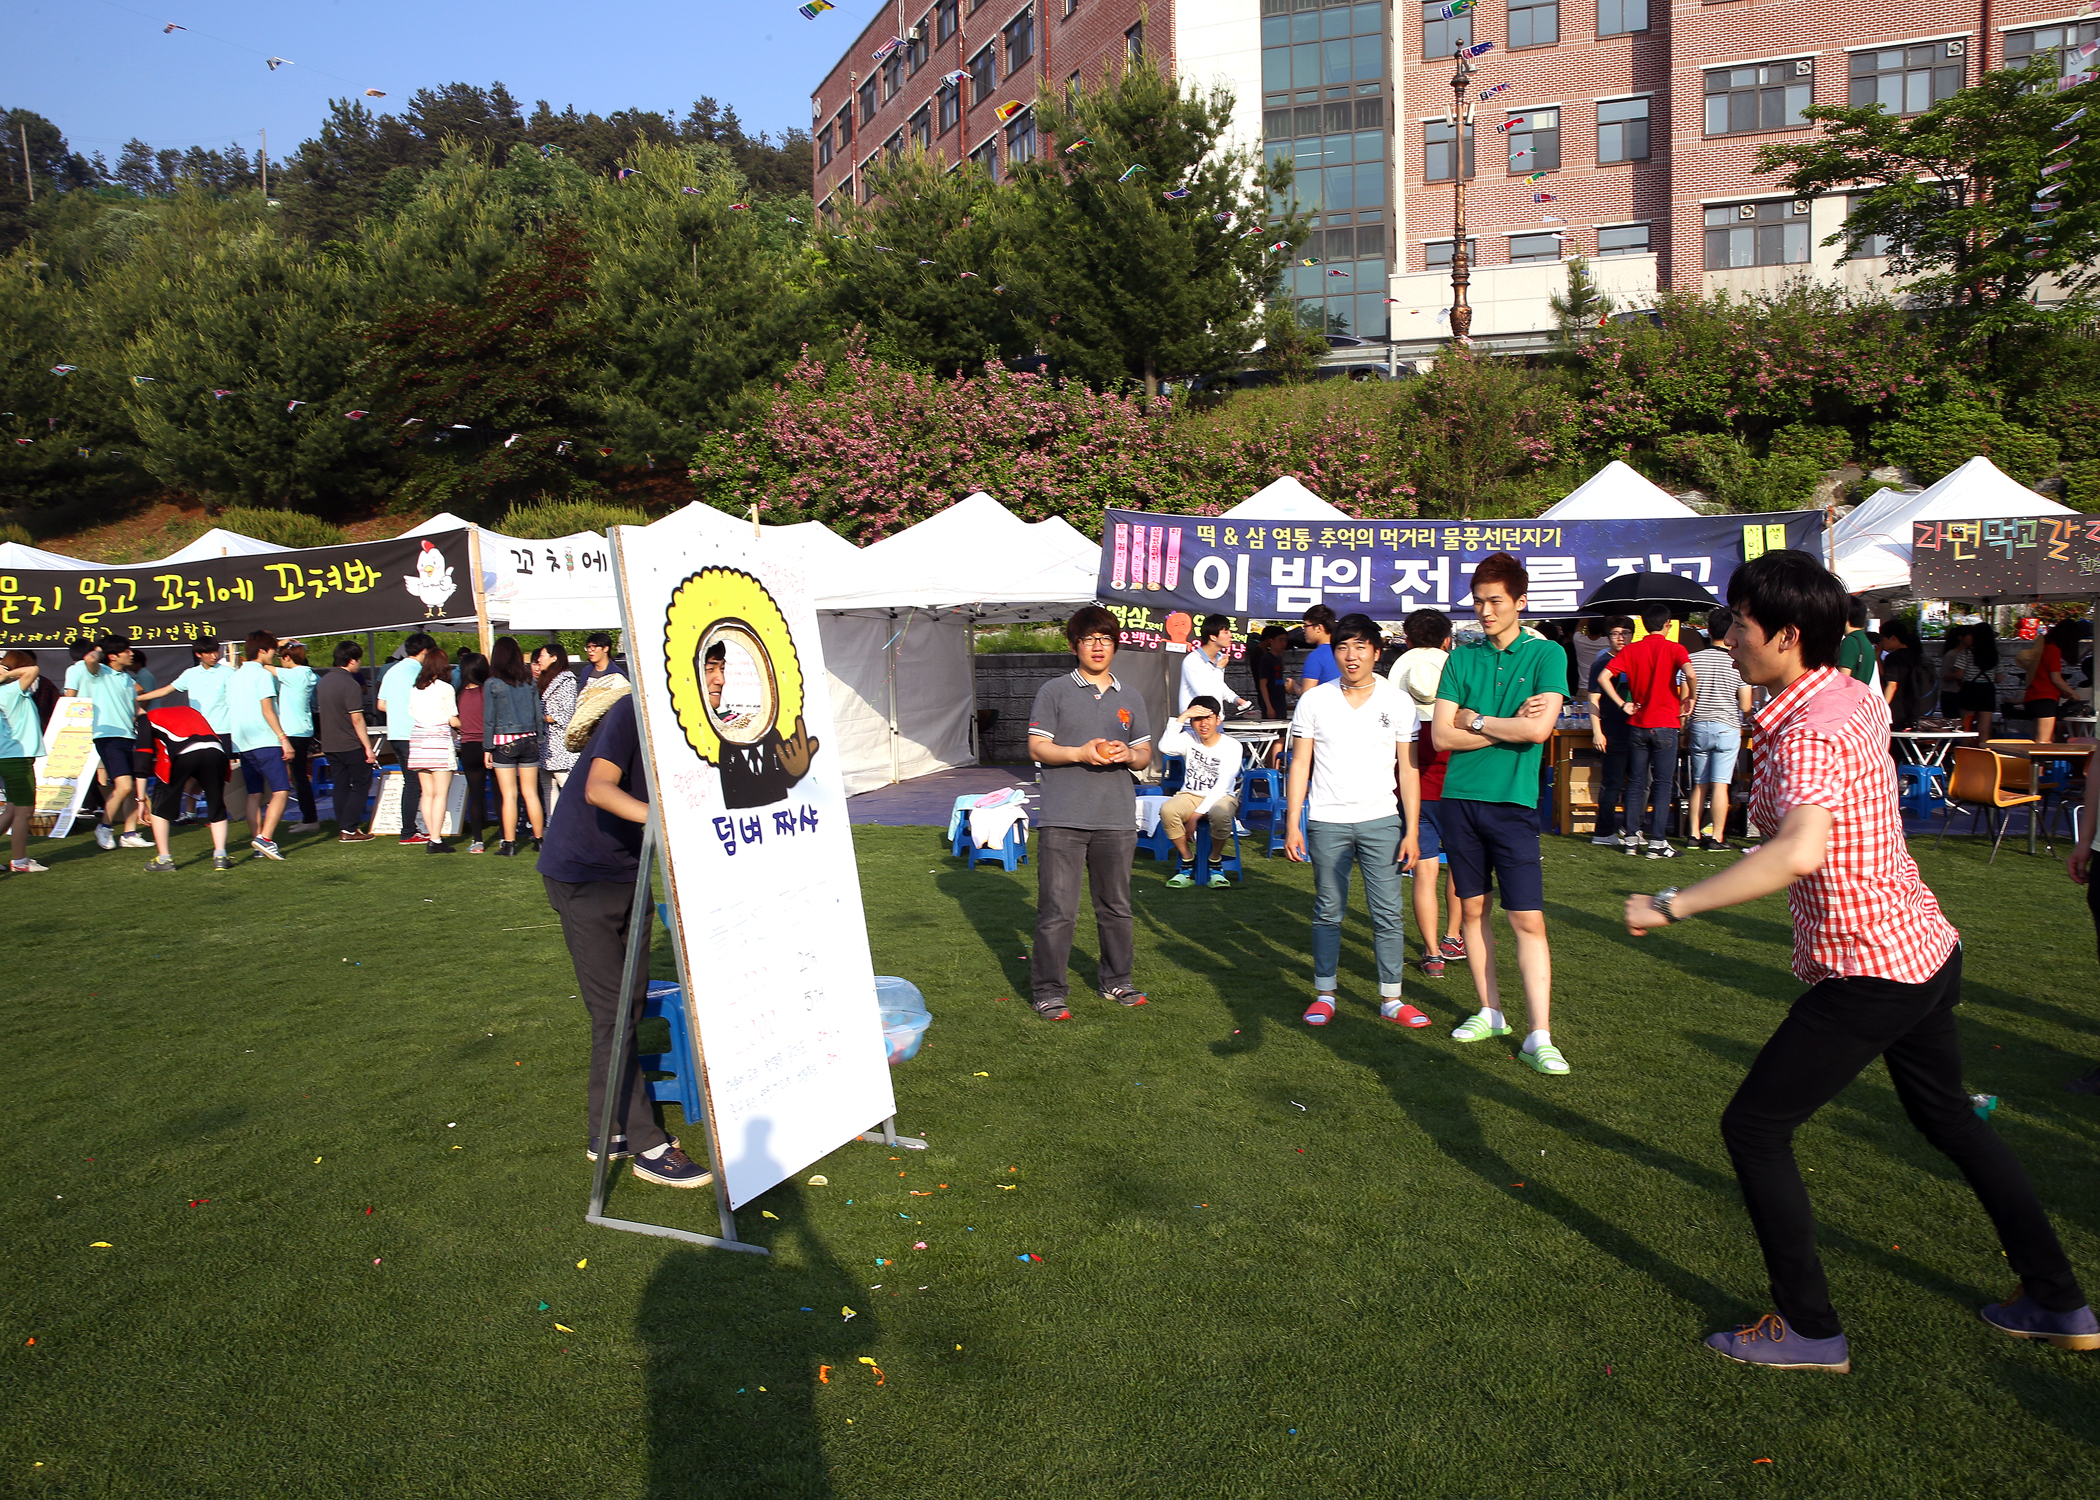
{"type": "Point", "coordinates": [944, 20]}
{"type": "Point", "coordinates": [824, 147]}
{"type": "Point", "coordinates": [1338, 156]}
{"type": "Point", "coordinates": [1020, 139]}
{"type": "Point", "coordinates": [921, 126]}
{"type": "Point", "coordinates": [1617, 17]}
{"type": "Point", "coordinates": [987, 157]}
{"type": "Point", "coordinates": [1071, 91]}
{"type": "Point", "coordinates": [984, 76]}
{"type": "Point", "coordinates": [1313, 48]}
{"type": "Point", "coordinates": [1436, 255]}
{"type": "Point", "coordinates": [867, 179]}
{"type": "Point", "coordinates": [845, 127]}
{"type": "Point", "coordinates": [2025, 47]}
{"type": "Point", "coordinates": [1134, 42]}
{"type": "Point", "coordinates": [1622, 130]}
{"type": "Point", "coordinates": [951, 106]}
{"type": "Point", "coordinates": [1526, 248]}
{"type": "Point", "coordinates": [1437, 141]}
{"type": "Point", "coordinates": [868, 102]}
{"type": "Point", "coordinates": [1766, 96]}
{"type": "Point", "coordinates": [892, 75]}
{"type": "Point", "coordinates": [1866, 246]}
{"type": "Point", "coordinates": [894, 146]}
{"type": "Point", "coordinates": [920, 47]}
{"type": "Point", "coordinates": [1344, 291]}
{"type": "Point", "coordinates": [1534, 145]}
{"type": "Point", "coordinates": [1441, 37]}
{"type": "Point", "coordinates": [1757, 234]}
{"type": "Point", "coordinates": [1534, 23]}
{"type": "Point", "coordinates": [1020, 41]}
{"type": "Point", "coordinates": [1908, 80]}
{"type": "Point", "coordinates": [1622, 239]}
{"type": "Point", "coordinates": [1071, 7]}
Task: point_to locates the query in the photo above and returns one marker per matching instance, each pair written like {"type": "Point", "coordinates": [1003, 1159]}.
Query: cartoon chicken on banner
{"type": "Point", "coordinates": [432, 581]}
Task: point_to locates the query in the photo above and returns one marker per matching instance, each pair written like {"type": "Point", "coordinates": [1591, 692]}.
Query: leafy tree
{"type": "Point", "coordinates": [54, 167]}
{"type": "Point", "coordinates": [896, 266]}
{"type": "Point", "coordinates": [1480, 425]}
{"type": "Point", "coordinates": [1933, 441]}
{"type": "Point", "coordinates": [1290, 352]}
{"type": "Point", "coordinates": [1950, 188]}
{"type": "Point", "coordinates": [545, 520]}
{"type": "Point", "coordinates": [1118, 281]}
{"type": "Point", "coordinates": [488, 401]}
{"type": "Point", "coordinates": [285, 528]}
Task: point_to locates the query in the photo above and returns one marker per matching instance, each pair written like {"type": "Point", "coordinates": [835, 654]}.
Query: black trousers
{"type": "Point", "coordinates": [594, 917]}
{"type": "Point", "coordinates": [1062, 855]}
{"type": "Point", "coordinates": [411, 789]}
{"type": "Point", "coordinates": [353, 787]}
{"type": "Point", "coordinates": [1614, 788]}
{"type": "Point", "coordinates": [473, 767]}
{"type": "Point", "coordinates": [209, 768]}
{"type": "Point", "coordinates": [1827, 1039]}
{"type": "Point", "coordinates": [302, 776]}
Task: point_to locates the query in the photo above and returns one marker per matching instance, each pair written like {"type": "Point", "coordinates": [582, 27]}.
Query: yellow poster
{"type": "Point", "coordinates": [64, 769]}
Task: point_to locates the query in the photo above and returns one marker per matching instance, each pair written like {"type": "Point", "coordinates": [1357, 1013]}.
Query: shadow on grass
{"type": "Point", "coordinates": [718, 1325]}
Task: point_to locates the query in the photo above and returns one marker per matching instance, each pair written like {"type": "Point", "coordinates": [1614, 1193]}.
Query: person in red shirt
{"type": "Point", "coordinates": [1883, 968]}
{"type": "Point", "coordinates": [1660, 686]}
{"type": "Point", "coordinates": [185, 746]}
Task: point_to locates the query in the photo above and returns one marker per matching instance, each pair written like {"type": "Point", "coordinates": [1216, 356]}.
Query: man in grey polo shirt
{"type": "Point", "coordinates": [1088, 732]}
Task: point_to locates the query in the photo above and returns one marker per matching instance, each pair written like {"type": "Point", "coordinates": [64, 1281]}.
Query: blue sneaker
{"type": "Point", "coordinates": [2023, 1319]}
{"type": "Point", "coordinates": [1771, 1343]}
{"type": "Point", "coordinates": [673, 1168]}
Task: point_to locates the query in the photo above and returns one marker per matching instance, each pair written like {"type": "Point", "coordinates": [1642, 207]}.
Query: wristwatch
{"type": "Point", "coordinates": [1661, 902]}
{"type": "Point", "coordinates": [1479, 723]}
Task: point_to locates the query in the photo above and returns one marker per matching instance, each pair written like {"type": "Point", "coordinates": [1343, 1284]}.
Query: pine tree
{"type": "Point", "coordinates": [1120, 281]}
{"type": "Point", "coordinates": [1584, 307]}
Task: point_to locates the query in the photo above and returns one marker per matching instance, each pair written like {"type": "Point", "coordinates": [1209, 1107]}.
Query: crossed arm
{"type": "Point", "coordinates": [1531, 725]}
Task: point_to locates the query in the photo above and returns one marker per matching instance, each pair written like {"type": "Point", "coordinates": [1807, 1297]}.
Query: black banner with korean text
{"type": "Point", "coordinates": [1276, 570]}
{"type": "Point", "coordinates": [2006, 557]}
{"type": "Point", "coordinates": [380, 585]}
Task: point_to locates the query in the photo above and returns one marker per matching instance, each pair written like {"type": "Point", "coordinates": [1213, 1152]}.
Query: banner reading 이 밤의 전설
{"type": "Point", "coordinates": [744, 773]}
{"type": "Point", "coordinates": [1277, 570]}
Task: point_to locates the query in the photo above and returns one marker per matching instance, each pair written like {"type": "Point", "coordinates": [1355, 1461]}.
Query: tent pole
{"type": "Point", "coordinates": [483, 632]}
{"type": "Point", "coordinates": [976, 746]}
{"type": "Point", "coordinates": [891, 673]}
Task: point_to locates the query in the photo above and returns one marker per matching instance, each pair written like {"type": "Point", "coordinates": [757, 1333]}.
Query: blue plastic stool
{"type": "Point", "coordinates": [959, 822]}
{"type": "Point", "coordinates": [1156, 843]}
{"type": "Point", "coordinates": [1173, 772]}
{"type": "Point", "coordinates": [1922, 791]}
{"type": "Point", "coordinates": [1011, 854]}
{"type": "Point", "coordinates": [1276, 828]}
{"type": "Point", "coordinates": [683, 1087]}
{"type": "Point", "coordinates": [1261, 796]}
{"type": "Point", "coordinates": [1229, 865]}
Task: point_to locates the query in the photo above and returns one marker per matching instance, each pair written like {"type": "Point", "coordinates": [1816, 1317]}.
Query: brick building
{"type": "Point", "coordinates": [1644, 115]}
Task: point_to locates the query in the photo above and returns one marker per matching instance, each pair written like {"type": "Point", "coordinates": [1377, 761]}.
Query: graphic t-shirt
{"type": "Point", "coordinates": [21, 730]}
{"type": "Point", "coordinates": [1651, 665]}
{"type": "Point", "coordinates": [177, 732]}
{"type": "Point", "coordinates": [1355, 750]}
{"type": "Point", "coordinates": [1211, 770]}
{"type": "Point", "coordinates": [253, 685]}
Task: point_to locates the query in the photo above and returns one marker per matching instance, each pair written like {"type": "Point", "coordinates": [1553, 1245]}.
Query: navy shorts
{"type": "Point", "coordinates": [1498, 839]}
{"type": "Point", "coordinates": [263, 770]}
{"type": "Point", "coordinates": [1429, 837]}
{"type": "Point", "coordinates": [115, 754]}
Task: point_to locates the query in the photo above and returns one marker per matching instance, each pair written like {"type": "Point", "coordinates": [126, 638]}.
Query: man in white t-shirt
{"type": "Point", "coordinates": [1203, 669]}
{"type": "Point", "coordinates": [1347, 739]}
{"type": "Point", "coordinates": [1212, 765]}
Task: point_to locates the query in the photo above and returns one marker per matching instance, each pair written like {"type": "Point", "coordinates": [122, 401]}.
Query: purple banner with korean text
{"type": "Point", "coordinates": [2006, 557]}
{"type": "Point", "coordinates": [307, 591]}
{"type": "Point", "coordinates": [1277, 570]}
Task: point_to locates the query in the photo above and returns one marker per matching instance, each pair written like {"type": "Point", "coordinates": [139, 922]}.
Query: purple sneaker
{"type": "Point", "coordinates": [1771, 1343]}
{"type": "Point", "coordinates": [2024, 1319]}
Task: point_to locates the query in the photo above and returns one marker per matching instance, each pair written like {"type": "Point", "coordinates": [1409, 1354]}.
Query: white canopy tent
{"type": "Point", "coordinates": [897, 623]}
{"type": "Point", "coordinates": [1284, 499]}
{"type": "Point", "coordinates": [1871, 546]}
{"type": "Point", "coordinates": [17, 555]}
{"type": "Point", "coordinates": [219, 542]}
{"type": "Point", "coordinates": [1616, 493]}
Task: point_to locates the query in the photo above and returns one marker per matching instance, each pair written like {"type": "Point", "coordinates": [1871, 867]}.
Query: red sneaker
{"type": "Point", "coordinates": [415, 838]}
{"type": "Point", "coordinates": [1453, 949]}
{"type": "Point", "coordinates": [1432, 967]}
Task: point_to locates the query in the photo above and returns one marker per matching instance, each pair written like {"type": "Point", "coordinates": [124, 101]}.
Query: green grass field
{"type": "Point", "coordinates": [328, 1117]}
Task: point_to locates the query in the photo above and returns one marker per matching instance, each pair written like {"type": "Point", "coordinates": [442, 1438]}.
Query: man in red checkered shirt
{"type": "Point", "coordinates": [1883, 968]}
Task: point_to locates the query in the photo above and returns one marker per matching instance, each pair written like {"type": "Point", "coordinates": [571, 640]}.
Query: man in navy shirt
{"type": "Point", "coordinates": [589, 862]}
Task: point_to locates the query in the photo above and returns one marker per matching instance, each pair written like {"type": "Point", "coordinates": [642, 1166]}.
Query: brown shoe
{"type": "Point", "coordinates": [353, 837]}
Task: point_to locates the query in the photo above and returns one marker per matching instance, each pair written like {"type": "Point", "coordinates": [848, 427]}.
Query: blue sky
{"type": "Point", "coordinates": [103, 71]}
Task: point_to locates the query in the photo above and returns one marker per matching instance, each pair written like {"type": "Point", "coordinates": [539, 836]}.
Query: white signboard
{"type": "Point", "coordinates": [735, 708]}
{"type": "Point", "coordinates": [565, 584]}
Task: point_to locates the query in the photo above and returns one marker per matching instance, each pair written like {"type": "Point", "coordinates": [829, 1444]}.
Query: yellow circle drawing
{"type": "Point", "coordinates": [729, 607]}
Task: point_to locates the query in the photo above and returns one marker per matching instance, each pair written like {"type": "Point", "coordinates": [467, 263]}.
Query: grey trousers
{"type": "Point", "coordinates": [1104, 857]}
{"type": "Point", "coordinates": [594, 917]}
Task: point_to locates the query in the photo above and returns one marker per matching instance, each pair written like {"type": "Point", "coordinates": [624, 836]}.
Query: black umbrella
{"type": "Point", "coordinates": [1630, 592]}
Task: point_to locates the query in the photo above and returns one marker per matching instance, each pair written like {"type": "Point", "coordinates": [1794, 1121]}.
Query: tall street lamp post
{"type": "Point", "coordinates": [1461, 262]}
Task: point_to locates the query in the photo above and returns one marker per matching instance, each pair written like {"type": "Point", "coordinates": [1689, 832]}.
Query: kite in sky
{"type": "Point", "coordinates": [171, 26]}
{"type": "Point", "coordinates": [274, 63]}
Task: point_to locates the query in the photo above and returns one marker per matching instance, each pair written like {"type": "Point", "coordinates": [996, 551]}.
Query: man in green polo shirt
{"type": "Point", "coordinates": [1496, 705]}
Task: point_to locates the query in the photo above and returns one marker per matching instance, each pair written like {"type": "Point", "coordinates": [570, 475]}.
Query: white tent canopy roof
{"type": "Point", "coordinates": [1284, 499]}
{"type": "Point", "coordinates": [16, 555]}
{"type": "Point", "coordinates": [1617, 493]}
{"type": "Point", "coordinates": [976, 556]}
{"type": "Point", "coordinates": [219, 542]}
{"type": "Point", "coordinates": [1872, 544]}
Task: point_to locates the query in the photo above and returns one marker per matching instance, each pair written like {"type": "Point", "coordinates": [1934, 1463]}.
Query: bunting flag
{"type": "Point", "coordinates": [624, 173]}
{"type": "Point", "coordinates": [793, 220]}
{"type": "Point", "coordinates": [1551, 219]}
{"type": "Point", "coordinates": [142, 379]}
{"type": "Point", "coordinates": [1331, 271]}
{"type": "Point", "coordinates": [814, 9]}
{"type": "Point", "coordinates": [2073, 120]}
{"type": "Point", "coordinates": [1224, 218]}
{"type": "Point", "coordinates": [2054, 166]}
{"type": "Point", "coordinates": [2048, 188]}
{"type": "Point", "coordinates": [1082, 141]}
{"type": "Point", "coordinates": [1279, 246]}
{"type": "Point", "coordinates": [1130, 172]}
{"type": "Point", "coordinates": [887, 48]}
{"type": "Point", "coordinates": [1310, 260]}
{"type": "Point", "coordinates": [1490, 92]}
{"type": "Point", "coordinates": [171, 26]}
{"type": "Point", "coordinates": [1454, 9]}
{"type": "Point", "coordinates": [63, 369]}
{"type": "Point", "coordinates": [357, 416]}
{"type": "Point", "coordinates": [1008, 110]}
{"type": "Point", "coordinates": [954, 79]}
{"type": "Point", "coordinates": [1544, 198]}
{"type": "Point", "coordinates": [1175, 195]}
{"type": "Point", "coordinates": [735, 206]}
{"type": "Point", "coordinates": [2041, 208]}
{"type": "Point", "coordinates": [969, 276]}
{"type": "Point", "coordinates": [925, 262]}
{"type": "Point", "coordinates": [375, 93]}
{"type": "Point", "coordinates": [516, 435]}
{"type": "Point", "coordinates": [1478, 49]}
{"type": "Point", "coordinates": [220, 395]}
{"type": "Point", "coordinates": [2067, 145]}
{"type": "Point", "coordinates": [274, 63]}
{"type": "Point", "coordinates": [293, 405]}
{"type": "Point", "coordinates": [1536, 177]}
{"type": "Point", "coordinates": [1510, 124]}
{"type": "Point", "coordinates": [690, 192]}
{"type": "Point", "coordinates": [883, 248]}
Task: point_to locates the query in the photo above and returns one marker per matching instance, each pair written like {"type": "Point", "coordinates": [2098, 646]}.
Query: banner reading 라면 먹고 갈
{"type": "Point", "coordinates": [2006, 557]}
{"type": "Point", "coordinates": [308, 591]}
{"type": "Point", "coordinates": [1276, 570]}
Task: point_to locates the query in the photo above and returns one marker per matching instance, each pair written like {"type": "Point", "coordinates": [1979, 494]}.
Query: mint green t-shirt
{"type": "Point", "coordinates": [295, 700]}
{"type": "Point", "coordinates": [252, 684]}
{"type": "Point", "coordinates": [21, 730]}
{"type": "Point", "coordinates": [206, 689]}
{"type": "Point", "coordinates": [113, 694]}
{"type": "Point", "coordinates": [1481, 679]}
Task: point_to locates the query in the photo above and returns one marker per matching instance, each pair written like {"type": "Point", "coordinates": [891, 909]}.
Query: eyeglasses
{"type": "Point", "coordinates": [1097, 640]}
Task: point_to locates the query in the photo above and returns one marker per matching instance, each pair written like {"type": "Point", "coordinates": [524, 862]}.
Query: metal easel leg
{"type": "Point", "coordinates": [887, 1136]}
